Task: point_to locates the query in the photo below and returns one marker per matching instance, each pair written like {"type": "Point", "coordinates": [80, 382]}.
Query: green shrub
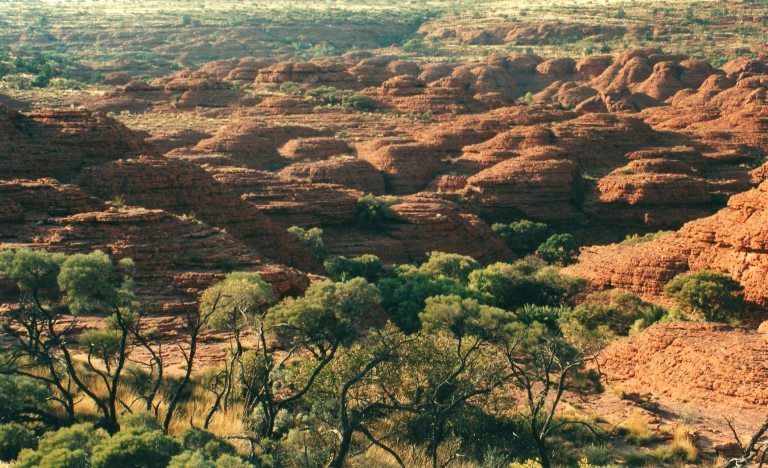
{"type": "Point", "coordinates": [448, 265]}
{"type": "Point", "coordinates": [545, 315]}
{"type": "Point", "coordinates": [713, 296]}
{"type": "Point", "coordinates": [511, 286]}
{"type": "Point", "coordinates": [404, 294]}
{"type": "Point", "coordinates": [13, 438]}
{"type": "Point", "coordinates": [231, 461]}
{"type": "Point", "coordinates": [312, 238]}
{"type": "Point", "coordinates": [191, 459]}
{"type": "Point", "coordinates": [135, 450]}
{"type": "Point", "coordinates": [365, 266]}
{"type": "Point", "coordinates": [23, 398]}
{"type": "Point", "coordinates": [617, 310]}
{"type": "Point", "coordinates": [559, 249]}
{"type": "Point", "coordinates": [207, 443]}
{"type": "Point", "coordinates": [67, 446]}
{"type": "Point", "coordinates": [372, 211]}
{"type": "Point", "coordinates": [344, 98]}
{"type": "Point", "coordinates": [522, 237]}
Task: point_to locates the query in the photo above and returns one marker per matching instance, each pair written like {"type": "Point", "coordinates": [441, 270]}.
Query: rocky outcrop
{"type": "Point", "coordinates": [185, 189]}
{"type": "Point", "coordinates": [314, 148]}
{"type": "Point", "coordinates": [416, 225]}
{"type": "Point", "coordinates": [733, 241]}
{"type": "Point", "coordinates": [704, 364]}
{"type": "Point", "coordinates": [347, 171]}
{"type": "Point", "coordinates": [175, 257]}
{"type": "Point", "coordinates": [541, 187]}
{"type": "Point", "coordinates": [253, 144]}
{"type": "Point", "coordinates": [58, 143]}
{"type": "Point", "coordinates": [290, 202]}
{"type": "Point", "coordinates": [407, 166]}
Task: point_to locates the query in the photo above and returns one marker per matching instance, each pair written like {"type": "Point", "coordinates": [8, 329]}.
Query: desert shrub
{"type": "Point", "coordinates": [559, 249]}
{"type": "Point", "coordinates": [206, 443]}
{"type": "Point", "coordinates": [345, 98]}
{"type": "Point", "coordinates": [130, 449]}
{"type": "Point", "coordinates": [599, 455]}
{"type": "Point", "coordinates": [405, 293]}
{"type": "Point", "coordinates": [139, 422]}
{"type": "Point", "coordinates": [511, 286]}
{"type": "Point", "coordinates": [453, 266]}
{"type": "Point", "coordinates": [634, 239]}
{"type": "Point", "coordinates": [372, 211]}
{"type": "Point", "coordinates": [24, 399]}
{"type": "Point", "coordinates": [522, 237]}
{"type": "Point", "coordinates": [619, 311]}
{"type": "Point", "coordinates": [548, 316]}
{"type": "Point", "coordinates": [13, 438]}
{"type": "Point", "coordinates": [713, 296]}
{"type": "Point", "coordinates": [67, 447]}
{"type": "Point", "coordinates": [191, 459]}
{"type": "Point", "coordinates": [365, 266]}
{"type": "Point", "coordinates": [636, 430]}
{"type": "Point", "coordinates": [312, 238]}
{"type": "Point", "coordinates": [289, 87]}
{"type": "Point", "coordinates": [231, 461]}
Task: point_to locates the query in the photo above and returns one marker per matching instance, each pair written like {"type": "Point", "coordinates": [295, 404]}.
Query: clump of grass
{"type": "Point", "coordinates": [680, 448]}
{"type": "Point", "coordinates": [636, 430]}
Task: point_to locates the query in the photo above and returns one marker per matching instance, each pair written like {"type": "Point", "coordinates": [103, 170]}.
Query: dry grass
{"type": "Point", "coordinates": [637, 430]}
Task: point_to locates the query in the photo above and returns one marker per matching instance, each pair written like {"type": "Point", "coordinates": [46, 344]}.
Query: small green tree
{"type": "Point", "coordinates": [240, 301]}
{"type": "Point", "coordinates": [522, 237]}
{"type": "Point", "coordinates": [373, 211]}
{"type": "Point", "coordinates": [510, 286]}
{"type": "Point", "coordinates": [13, 438]}
{"type": "Point", "coordinates": [312, 238]}
{"type": "Point", "coordinates": [404, 294]}
{"type": "Point", "coordinates": [559, 249]}
{"type": "Point", "coordinates": [448, 265]}
{"type": "Point", "coordinates": [367, 266]}
{"type": "Point", "coordinates": [713, 296]}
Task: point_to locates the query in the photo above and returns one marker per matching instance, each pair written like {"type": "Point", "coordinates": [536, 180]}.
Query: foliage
{"type": "Point", "coordinates": [511, 286]}
{"type": "Point", "coordinates": [70, 446]}
{"type": "Point", "coordinates": [328, 312]}
{"type": "Point", "coordinates": [714, 296]}
{"type": "Point", "coordinates": [522, 237]}
{"type": "Point", "coordinates": [448, 265]}
{"type": "Point", "coordinates": [24, 399]}
{"type": "Point", "coordinates": [404, 294]}
{"type": "Point", "coordinates": [372, 211]}
{"type": "Point", "coordinates": [366, 266]}
{"type": "Point", "coordinates": [235, 302]}
{"type": "Point", "coordinates": [344, 98]}
{"type": "Point", "coordinates": [559, 249]}
{"type": "Point", "coordinates": [618, 311]}
{"type": "Point", "coordinates": [13, 438]}
{"type": "Point", "coordinates": [139, 449]}
{"type": "Point", "coordinates": [210, 446]}
{"type": "Point", "coordinates": [312, 238]}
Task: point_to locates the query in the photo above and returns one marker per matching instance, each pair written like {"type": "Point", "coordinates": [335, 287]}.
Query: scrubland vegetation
{"type": "Point", "coordinates": [400, 365]}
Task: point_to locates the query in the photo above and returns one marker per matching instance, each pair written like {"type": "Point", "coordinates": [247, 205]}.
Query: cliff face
{"type": "Point", "coordinates": [58, 143]}
{"type": "Point", "coordinates": [185, 189]}
{"type": "Point", "coordinates": [733, 241]}
{"type": "Point", "coordinates": [176, 257]}
{"type": "Point", "coordinates": [701, 363]}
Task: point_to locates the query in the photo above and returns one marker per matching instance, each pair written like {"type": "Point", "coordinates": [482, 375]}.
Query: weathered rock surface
{"type": "Point", "coordinates": [348, 171]}
{"type": "Point", "coordinates": [692, 362]}
{"type": "Point", "coordinates": [185, 189]}
{"type": "Point", "coordinates": [58, 143]}
{"type": "Point", "coordinates": [734, 241]}
{"type": "Point", "coordinates": [416, 225]}
{"type": "Point", "coordinates": [176, 257]}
